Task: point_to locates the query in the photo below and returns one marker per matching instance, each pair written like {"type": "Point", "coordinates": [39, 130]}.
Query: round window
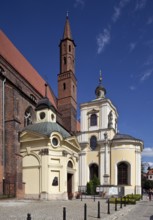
{"type": "Point", "coordinates": [42, 115]}
{"type": "Point", "coordinates": [55, 141]}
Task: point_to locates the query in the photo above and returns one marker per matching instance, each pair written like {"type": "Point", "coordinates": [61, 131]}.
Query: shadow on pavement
{"type": "Point", "coordinates": [151, 217]}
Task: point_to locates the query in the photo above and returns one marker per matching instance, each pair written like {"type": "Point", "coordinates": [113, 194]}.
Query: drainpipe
{"type": "Point", "coordinates": [3, 125]}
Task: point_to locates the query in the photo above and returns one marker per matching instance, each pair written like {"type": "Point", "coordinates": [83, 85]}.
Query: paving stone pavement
{"type": "Point", "coordinates": [53, 210]}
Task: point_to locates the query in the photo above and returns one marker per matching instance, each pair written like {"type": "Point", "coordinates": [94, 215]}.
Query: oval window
{"type": "Point", "coordinates": [55, 141]}
{"type": "Point", "coordinates": [42, 115]}
{"type": "Point", "coordinates": [52, 117]}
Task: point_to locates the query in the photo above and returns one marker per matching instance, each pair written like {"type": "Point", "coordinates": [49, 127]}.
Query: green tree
{"type": "Point", "coordinates": [91, 186]}
{"type": "Point", "coordinates": [148, 184]}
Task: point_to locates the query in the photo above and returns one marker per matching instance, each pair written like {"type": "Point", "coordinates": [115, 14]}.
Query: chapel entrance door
{"type": "Point", "coordinates": [69, 185]}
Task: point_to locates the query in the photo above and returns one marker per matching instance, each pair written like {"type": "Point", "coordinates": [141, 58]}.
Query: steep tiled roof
{"type": "Point", "coordinates": [12, 55]}
{"type": "Point", "coordinates": [150, 172]}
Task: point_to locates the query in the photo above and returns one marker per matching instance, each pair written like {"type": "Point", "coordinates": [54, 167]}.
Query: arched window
{"type": "Point", "coordinates": [64, 60]}
{"type": "Point", "coordinates": [123, 172]}
{"type": "Point", "coordinates": [69, 48]}
{"type": "Point", "coordinates": [93, 142]}
{"type": "Point", "coordinates": [28, 116]}
{"type": "Point", "coordinates": [93, 120]}
{"type": "Point", "coordinates": [93, 171]}
{"type": "Point", "coordinates": [64, 86]}
{"type": "Point", "coordinates": [70, 164]}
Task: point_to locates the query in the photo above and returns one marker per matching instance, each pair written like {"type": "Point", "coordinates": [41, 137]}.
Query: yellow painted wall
{"type": "Point", "coordinates": [92, 157]}
{"type": "Point", "coordinates": [120, 154]}
{"type": "Point", "coordinates": [31, 174]}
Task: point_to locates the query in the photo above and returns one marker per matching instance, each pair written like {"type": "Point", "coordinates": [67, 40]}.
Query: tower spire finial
{"type": "Point", "coordinates": [67, 14]}
{"type": "Point", "coordinates": [100, 77]}
{"type": "Point", "coordinates": [67, 30]}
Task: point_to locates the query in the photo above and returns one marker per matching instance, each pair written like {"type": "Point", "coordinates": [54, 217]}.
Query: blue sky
{"type": "Point", "coordinates": [115, 36]}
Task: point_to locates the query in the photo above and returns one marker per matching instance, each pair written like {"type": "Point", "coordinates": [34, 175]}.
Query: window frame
{"type": "Point", "coordinates": [123, 173]}
{"type": "Point", "coordinates": [93, 119]}
{"type": "Point", "coordinates": [93, 142]}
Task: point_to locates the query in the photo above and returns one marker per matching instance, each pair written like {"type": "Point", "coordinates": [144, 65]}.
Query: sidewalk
{"type": "Point", "coordinates": [143, 210]}
{"type": "Point", "coordinates": [53, 210]}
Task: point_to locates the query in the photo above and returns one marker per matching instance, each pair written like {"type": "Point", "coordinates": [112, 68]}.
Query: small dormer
{"type": "Point", "coordinates": [45, 111]}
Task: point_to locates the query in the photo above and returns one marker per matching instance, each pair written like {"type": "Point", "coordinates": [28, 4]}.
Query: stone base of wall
{"type": "Point", "coordinates": [46, 196]}
{"type": "Point", "coordinates": [20, 193]}
{"type": "Point", "coordinates": [61, 196]}
{"type": "Point", "coordinates": [32, 196]}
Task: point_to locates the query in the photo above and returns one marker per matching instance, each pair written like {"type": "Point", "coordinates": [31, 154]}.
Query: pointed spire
{"type": "Point", "coordinates": [67, 29]}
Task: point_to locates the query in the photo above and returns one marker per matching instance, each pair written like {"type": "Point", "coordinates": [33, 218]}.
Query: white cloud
{"type": "Point", "coordinates": [140, 4]}
{"type": "Point", "coordinates": [132, 46]}
{"type": "Point", "coordinates": [146, 75]}
{"type": "Point", "coordinates": [117, 12]}
{"type": "Point", "coordinates": [149, 61]}
{"type": "Point", "coordinates": [146, 165]}
{"type": "Point", "coordinates": [118, 9]}
{"type": "Point", "coordinates": [150, 20]}
{"type": "Point", "coordinates": [132, 88]}
{"type": "Point", "coordinates": [79, 3]}
{"type": "Point", "coordinates": [102, 40]}
{"type": "Point", "coordinates": [150, 164]}
{"type": "Point", "coordinates": [147, 152]}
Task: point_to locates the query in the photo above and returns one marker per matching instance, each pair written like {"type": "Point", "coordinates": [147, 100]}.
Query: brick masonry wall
{"type": "Point", "coordinates": [67, 103]}
{"type": "Point", "coordinates": [17, 100]}
{"type": "Point", "coordinates": [1, 135]}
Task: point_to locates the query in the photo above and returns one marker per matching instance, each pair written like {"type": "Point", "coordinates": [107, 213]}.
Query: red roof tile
{"type": "Point", "coordinates": [12, 55]}
{"type": "Point", "coordinates": [150, 172]}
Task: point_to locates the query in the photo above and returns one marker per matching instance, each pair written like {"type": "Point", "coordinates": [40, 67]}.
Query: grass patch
{"type": "Point", "coordinates": [125, 200]}
{"type": "Point", "coordinates": [137, 197]}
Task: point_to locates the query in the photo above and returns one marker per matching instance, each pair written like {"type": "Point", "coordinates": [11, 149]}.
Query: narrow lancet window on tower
{"type": "Point", "coordinates": [65, 60]}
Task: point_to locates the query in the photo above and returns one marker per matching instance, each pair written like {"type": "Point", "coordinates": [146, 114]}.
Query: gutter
{"type": "Point", "coordinates": [3, 125]}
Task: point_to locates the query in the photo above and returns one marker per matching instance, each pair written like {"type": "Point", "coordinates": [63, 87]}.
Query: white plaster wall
{"type": "Point", "coordinates": [82, 169]}
{"type": "Point", "coordinates": [101, 166]}
{"type": "Point", "coordinates": [84, 120]}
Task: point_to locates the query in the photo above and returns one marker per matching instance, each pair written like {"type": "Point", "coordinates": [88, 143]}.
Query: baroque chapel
{"type": "Point", "coordinates": [113, 157]}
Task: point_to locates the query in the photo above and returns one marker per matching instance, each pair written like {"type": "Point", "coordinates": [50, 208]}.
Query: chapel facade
{"type": "Point", "coordinates": [112, 157]}
{"type": "Point", "coordinates": [50, 157]}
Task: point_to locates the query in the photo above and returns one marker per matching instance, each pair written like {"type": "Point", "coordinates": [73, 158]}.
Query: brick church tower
{"type": "Point", "coordinates": [67, 83]}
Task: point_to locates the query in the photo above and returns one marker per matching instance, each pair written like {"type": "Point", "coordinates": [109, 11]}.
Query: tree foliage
{"type": "Point", "coordinates": [91, 186]}
{"type": "Point", "coordinates": [147, 184]}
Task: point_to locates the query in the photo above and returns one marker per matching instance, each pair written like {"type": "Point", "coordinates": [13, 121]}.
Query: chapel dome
{"type": "Point", "coordinates": [45, 103]}
{"type": "Point", "coordinates": [100, 91]}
